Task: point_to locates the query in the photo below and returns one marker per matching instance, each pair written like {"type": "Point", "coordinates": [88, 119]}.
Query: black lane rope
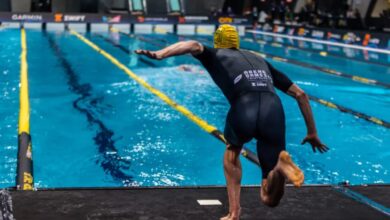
{"type": "Point", "coordinates": [352, 112]}
{"type": "Point", "coordinates": [325, 70]}
{"type": "Point", "coordinates": [329, 104]}
{"type": "Point", "coordinates": [126, 50]}
{"type": "Point", "coordinates": [111, 162]}
{"type": "Point", "coordinates": [318, 52]}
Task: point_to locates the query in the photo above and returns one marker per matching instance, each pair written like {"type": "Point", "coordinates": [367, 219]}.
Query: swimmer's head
{"type": "Point", "coordinates": [226, 36]}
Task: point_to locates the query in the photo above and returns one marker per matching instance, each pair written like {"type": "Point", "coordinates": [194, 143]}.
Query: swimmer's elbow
{"type": "Point", "coordinates": [196, 47]}
{"type": "Point", "coordinates": [297, 93]}
{"type": "Point", "coordinates": [301, 96]}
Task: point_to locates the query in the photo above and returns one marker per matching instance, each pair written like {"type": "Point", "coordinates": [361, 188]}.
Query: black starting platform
{"type": "Point", "coordinates": [307, 202]}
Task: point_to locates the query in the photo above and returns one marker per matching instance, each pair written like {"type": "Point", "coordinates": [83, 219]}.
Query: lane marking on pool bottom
{"type": "Point", "coordinates": [125, 50]}
{"type": "Point", "coordinates": [329, 104]}
{"type": "Point", "coordinates": [24, 175]}
{"type": "Point", "coordinates": [198, 121]}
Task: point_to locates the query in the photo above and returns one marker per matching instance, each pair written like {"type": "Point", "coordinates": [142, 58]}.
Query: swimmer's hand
{"type": "Point", "coordinates": [150, 54]}
{"type": "Point", "coordinates": [315, 143]}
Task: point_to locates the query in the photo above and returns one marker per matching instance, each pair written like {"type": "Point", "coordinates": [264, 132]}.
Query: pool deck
{"type": "Point", "coordinates": [307, 202]}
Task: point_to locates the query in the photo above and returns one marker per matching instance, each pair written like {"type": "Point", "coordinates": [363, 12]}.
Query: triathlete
{"type": "Point", "coordinates": [248, 82]}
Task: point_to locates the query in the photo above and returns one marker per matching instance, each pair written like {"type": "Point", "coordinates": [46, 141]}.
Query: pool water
{"type": "Point", "coordinates": [93, 126]}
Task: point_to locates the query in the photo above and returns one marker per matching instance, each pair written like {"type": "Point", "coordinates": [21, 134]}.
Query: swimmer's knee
{"type": "Point", "coordinates": [266, 200]}
{"type": "Point", "coordinates": [236, 149]}
{"type": "Point", "coordinates": [232, 156]}
{"type": "Point", "coordinates": [233, 152]}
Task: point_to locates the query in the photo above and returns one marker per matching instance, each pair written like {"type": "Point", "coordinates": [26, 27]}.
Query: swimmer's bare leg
{"type": "Point", "coordinates": [272, 189]}
{"type": "Point", "coordinates": [233, 174]}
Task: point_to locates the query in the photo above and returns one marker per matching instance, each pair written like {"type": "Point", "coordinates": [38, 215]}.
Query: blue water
{"type": "Point", "coordinates": [9, 104]}
{"type": "Point", "coordinates": [92, 125]}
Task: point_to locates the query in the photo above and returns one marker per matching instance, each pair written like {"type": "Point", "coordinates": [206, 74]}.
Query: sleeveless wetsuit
{"type": "Point", "coordinates": [248, 82]}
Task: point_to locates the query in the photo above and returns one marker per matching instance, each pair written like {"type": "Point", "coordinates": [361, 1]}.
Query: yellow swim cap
{"type": "Point", "coordinates": [226, 36]}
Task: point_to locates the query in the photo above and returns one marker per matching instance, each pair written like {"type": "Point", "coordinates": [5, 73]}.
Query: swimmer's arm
{"type": "Point", "coordinates": [304, 105]}
{"type": "Point", "coordinates": [181, 48]}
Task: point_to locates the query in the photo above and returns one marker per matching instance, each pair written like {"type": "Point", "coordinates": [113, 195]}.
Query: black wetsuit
{"type": "Point", "coordinates": [248, 82]}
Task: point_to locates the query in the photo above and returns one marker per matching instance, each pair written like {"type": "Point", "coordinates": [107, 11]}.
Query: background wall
{"type": "Point", "coordinates": [5, 5]}
{"type": "Point", "coordinates": [21, 5]}
{"type": "Point", "coordinates": [299, 5]}
{"type": "Point", "coordinates": [361, 5]}
{"type": "Point", "coordinates": [66, 6]}
{"type": "Point", "coordinates": [201, 6]}
{"type": "Point", "coordinates": [89, 6]}
{"type": "Point", "coordinates": [156, 7]}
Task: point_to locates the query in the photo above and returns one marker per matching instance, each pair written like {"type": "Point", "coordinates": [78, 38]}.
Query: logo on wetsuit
{"type": "Point", "coordinates": [257, 78]}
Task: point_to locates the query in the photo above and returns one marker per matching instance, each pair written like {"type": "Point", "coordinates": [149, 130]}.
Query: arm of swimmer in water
{"type": "Point", "coordinates": [180, 48]}
{"type": "Point", "coordinates": [304, 105]}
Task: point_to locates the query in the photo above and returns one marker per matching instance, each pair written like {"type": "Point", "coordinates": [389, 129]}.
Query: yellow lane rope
{"type": "Point", "coordinates": [24, 178]}
{"type": "Point", "coordinates": [24, 114]}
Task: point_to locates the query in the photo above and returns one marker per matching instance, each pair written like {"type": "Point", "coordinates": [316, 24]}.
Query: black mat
{"type": "Point", "coordinates": [310, 202]}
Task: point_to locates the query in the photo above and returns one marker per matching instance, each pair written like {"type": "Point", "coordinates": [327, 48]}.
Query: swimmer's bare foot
{"type": "Point", "coordinates": [225, 217]}
{"type": "Point", "coordinates": [232, 216]}
{"type": "Point", "coordinates": [289, 169]}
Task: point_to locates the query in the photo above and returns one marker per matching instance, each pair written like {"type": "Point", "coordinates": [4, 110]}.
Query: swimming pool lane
{"type": "Point", "coordinates": [10, 50]}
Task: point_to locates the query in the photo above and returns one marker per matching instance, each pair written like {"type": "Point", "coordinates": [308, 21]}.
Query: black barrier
{"type": "Point", "coordinates": [352, 37]}
{"type": "Point", "coordinates": [121, 18]}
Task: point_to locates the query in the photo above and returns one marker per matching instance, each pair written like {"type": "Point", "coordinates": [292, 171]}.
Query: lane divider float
{"type": "Point", "coordinates": [24, 177]}
{"type": "Point", "coordinates": [359, 79]}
